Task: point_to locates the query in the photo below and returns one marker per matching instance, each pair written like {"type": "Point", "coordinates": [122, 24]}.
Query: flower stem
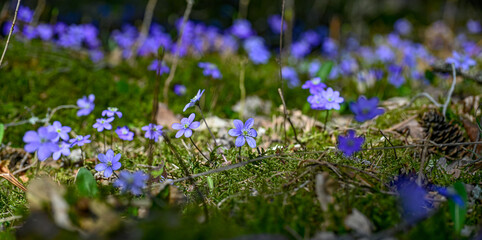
{"type": "Point", "coordinates": [198, 149]}
{"type": "Point", "coordinates": [326, 120]}
{"type": "Point", "coordinates": [202, 115]}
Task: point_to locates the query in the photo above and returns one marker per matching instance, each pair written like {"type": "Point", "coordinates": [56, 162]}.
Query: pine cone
{"type": "Point", "coordinates": [440, 131]}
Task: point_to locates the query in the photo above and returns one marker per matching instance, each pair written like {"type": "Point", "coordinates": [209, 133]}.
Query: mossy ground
{"type": "Point", "coordinates": [274, 195]}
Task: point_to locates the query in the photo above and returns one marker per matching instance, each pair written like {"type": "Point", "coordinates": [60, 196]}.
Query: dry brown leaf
{"type": "Point", "coordinates": [473, 132]}
{"type": "Point", "coordinates": [165, 116]}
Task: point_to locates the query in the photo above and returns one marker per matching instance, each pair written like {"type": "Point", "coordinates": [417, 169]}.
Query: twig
{"type": "Point", "coordinates": [289, 119]}
{"type": "Point", "coordinates": [10, 33]}
{"type": "Point", "coordinates": [199, 150]}
{"type": "Point", "coordinates": [205, 122]}
{"type": "Point", "coordinates": [8, 219]}
{"type": "Point", "coordinates": [451, 90]}
{"type": "Point", "coordinates": [169, 79]}
{"type": "Point", "coordinates": [424, 94]}
{"type": "Point", "coordinates": [146, 23]}
{"type": "Point", "coordinates": [280, 63]}
{"type": "Point", "coordinates": [38, 11]}
{"type": "Point", "coordinates": [394, 151]}
{"type": "Point", "coordinates": [446, 68]}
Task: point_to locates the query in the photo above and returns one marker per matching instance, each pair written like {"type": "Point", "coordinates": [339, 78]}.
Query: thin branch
{"type": "Point", "coordinates": [169, 79]}
{"type": "Point", "coordinates": [10, 33]}
{"type": "Point", "coordinates": [288, 118]}
{"type": "Point", "coordinates": [451, 90]}
{"type": "Point", "coordinates": [446, 68]}
{"type": "Point", "coordinates": [280, 62]}
{"type": "Point", "coordinates": [146, 24]}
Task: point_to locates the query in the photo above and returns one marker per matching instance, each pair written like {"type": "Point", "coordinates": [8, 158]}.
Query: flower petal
{"type": "Point", "coordinates": [31, 136]}
{"type": "Point", "coordinates": [116, 165]}
{"type": "Point", "coordinates": [195, 125]}
{"type": "Point", "coordinates": [43, 153]}
{"type": "Point", "coordinates": [191, 118]}
{"type": "Point", "coordinates": [180, 133]}
{"type": "Point", "coordinates": [100, 167]}
{"type": "Point", "coordinates": [253, 132]}
{"type": "Point", "coordinates": [238, 124]}
{"type": "Point", "coordinates": [234, 132]}
{"type": "Point", "coordinates": [188, 133]}
{"type": "Point", "coordinates": [177, 126]}
{"type": "Point", "coordinates": [108, 172]}
{"type": "Point", "coordinates": [251, 142]}
{"type": "Point", "coordinates": [240, 141]}
{"type": "Point", "coordinates": [249, 123]}
{"type": "Point", "coordinates": [32, 147]}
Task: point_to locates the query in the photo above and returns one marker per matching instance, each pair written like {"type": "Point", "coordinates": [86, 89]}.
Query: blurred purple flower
{"type": "Point", "coordinates": [315, 85]}
{"type": "Point", "coordinates": [210, 70]}
{"type": "Point", "coordinates": [111, 111]}
{"type": "Point", "coordinates": [451, 194]}
{"type": "Point", "coordinates": [29, 32]}
{"type": "Point", "coordinates": [153, 131]}
{"type": "Point", "coordinates": [365, 109]}
{"type": "Point", "coordinates": [395, 75]}
{"type": "Point", "coordinates": [194, 100]}
{"type": "Point", "coordinates": [132, 182]}
{"type": "Point", "coordinates": [25, 14]}
{"type": "Point", "coordinates": [244, 133]}
{"type": "Point", "coordinates": [155, 65]}
{"type": "Point", "coordinates": [79, 140]}
{"type": "Point", "coordinates": [42, 141]}
{"type": "Point", "coordinates": [179, 89]}
{"type": "Point", "coordinates": [403, 26]}
{"type": "Point", "coordinates": [412, 199]}
{"type": "Point", "coordinates": [186, 126]}
{"type": "Point", "coordinates": [60, 131]}
{"type": "Point", "coordinates": [300, 49]}
{"type": "Point", "coordinates": [274, 22]}
{"type": "Point", "coordinates": [474, 26]}
{"type": "Point", "coordinates": [96, 55]}
{"type": "Point", "coordinates": [102, 123]}
{"type": "Point", "coordinates": [385, 54]}
{"type": "Point", "coordinates": [124, 133]}
{"type": "Point", "coordinates": [291, 75]}
{"type": "Point", "coordinates": [257, 51]}
{"type": "Point", "coordinates": [350, 144]}
{"type": "Point", "coordinates": [314, 68]}
{"type": "Point", "coordinates": [229, 44]}
{"type": "Point", "coordinates": [241, 28]}
{"type": "Point", "coordinates": [311, 37]}
{"type": "Point", "coordinates": [6, 28]}
{"type": "Point", "coordinates": [332, 99]}
{"type": "Point", "coordinates": [461, 61]}
{"type": "Point", "coordinates": [63, 149]}
{"type": "Point", "coordinates": [108, 163]}
{"type": "Point", "coordinates": [86, 105]}
{"type": "Point", "coordinates": [348, 65]}
{"type": "Point", "coordinates": [330, 47]}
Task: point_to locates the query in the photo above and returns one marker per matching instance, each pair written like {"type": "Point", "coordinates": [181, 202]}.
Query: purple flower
{"type": "Point", "coordinates": [350, 144]}
{"type": "Point", "coordinates": [96, 55]}
{"type": "Point", "coordinates": [42, 141]}
{"type": "Point", "coordinates": [111, 111]}
{"type": "Point", "coordinates": [290, 74]}
{"type": "Point", "coordinates": [461, 61]}
{"type": "Point", "coordinates": [155, 65]}
{"type": "Point", "coordinates": [152, 131]}
{"type": "Point", "coordinates": [332, 99]}
{"type": "Point", "coordinates": [124, 133]}
{"type": "Point", "coordinates": [412, 199]}
{"type": "Point", "coordinates": [64, 149]}
{"type": "Point", "coordinates": [257, 51]}
{"type": "Point", "coordinates": [241, 28]}
{"type": "Point", "coordinates": [311, 37]}
{"type": "Point", "coordinates": [29, 32]}
{"type": "Point", "coordinates": [330, 47]}
{"type": "Point", "coordinates": [133, 182]}
{"type": "Point", "coordinates": [179, 89]}
{"type": "Point", "coordinates": [395, 76]}
{"type": "Point", "coordinates": [316, 101]}
{"type": "Point", "coordinates": [108, 163]}
{"type": "Point", "coordinates": [86, 105]}
{"type": "Point", "coordinates": [385, 54]}
{"type": "Point", "coordinates": [315, 85]}
{"type": "Point", "coordinates": [348, 65]}
{"type": "Point", "coordinates": [102, 123]}
{"type": "Point", "coordinates": [403, 26]}
{"type": "Point", "coordinates": [274, 22]}
{"type": "Point", "coordinates": [210, 69]}
{"type": "Point", "coordinates": [244, 133]}
{"type": "Point", "coordinates": [25, 14]}
{"type": "Point", "coordinates": [61, 131]}
{"type": "Point", "coordinates": [474, 26]}
{"type": "Point", "coordinates": [300, 49]}
{"type": "Point", "coordinates": [186, 126]}
{"type": "Point", "coordinates": [194, 100]}
{"type": "Point", "coordinates": [366, 109]}
{"type": "Point", "coordinates": [79, 140]}
{"type": "Point", "coordinates": [314, 68]}
{"type": "Point", "coordinates": [6, 28]}
{"type": "Point", "coordinates": [451, 194]}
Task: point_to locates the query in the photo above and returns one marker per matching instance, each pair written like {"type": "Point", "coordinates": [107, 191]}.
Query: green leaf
{"type": "Point", "coordinates": [325, 70]}
{"type": "Point", "coordinates": [457, 212]}
{"type": "Point", "coordinates": [2, 130]}
{"type": "Point", "coordinates": [86, 184]}
{"type": "Point", "coordinates": [210, 183]}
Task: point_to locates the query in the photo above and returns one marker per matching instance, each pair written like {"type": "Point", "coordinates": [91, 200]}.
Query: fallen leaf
{"type": "Point", "coordinates": [324, 198]}
{"type": "Point", "coordinates": [358, 222]}
{"type": "Point", "coordinates": [165, 116]}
